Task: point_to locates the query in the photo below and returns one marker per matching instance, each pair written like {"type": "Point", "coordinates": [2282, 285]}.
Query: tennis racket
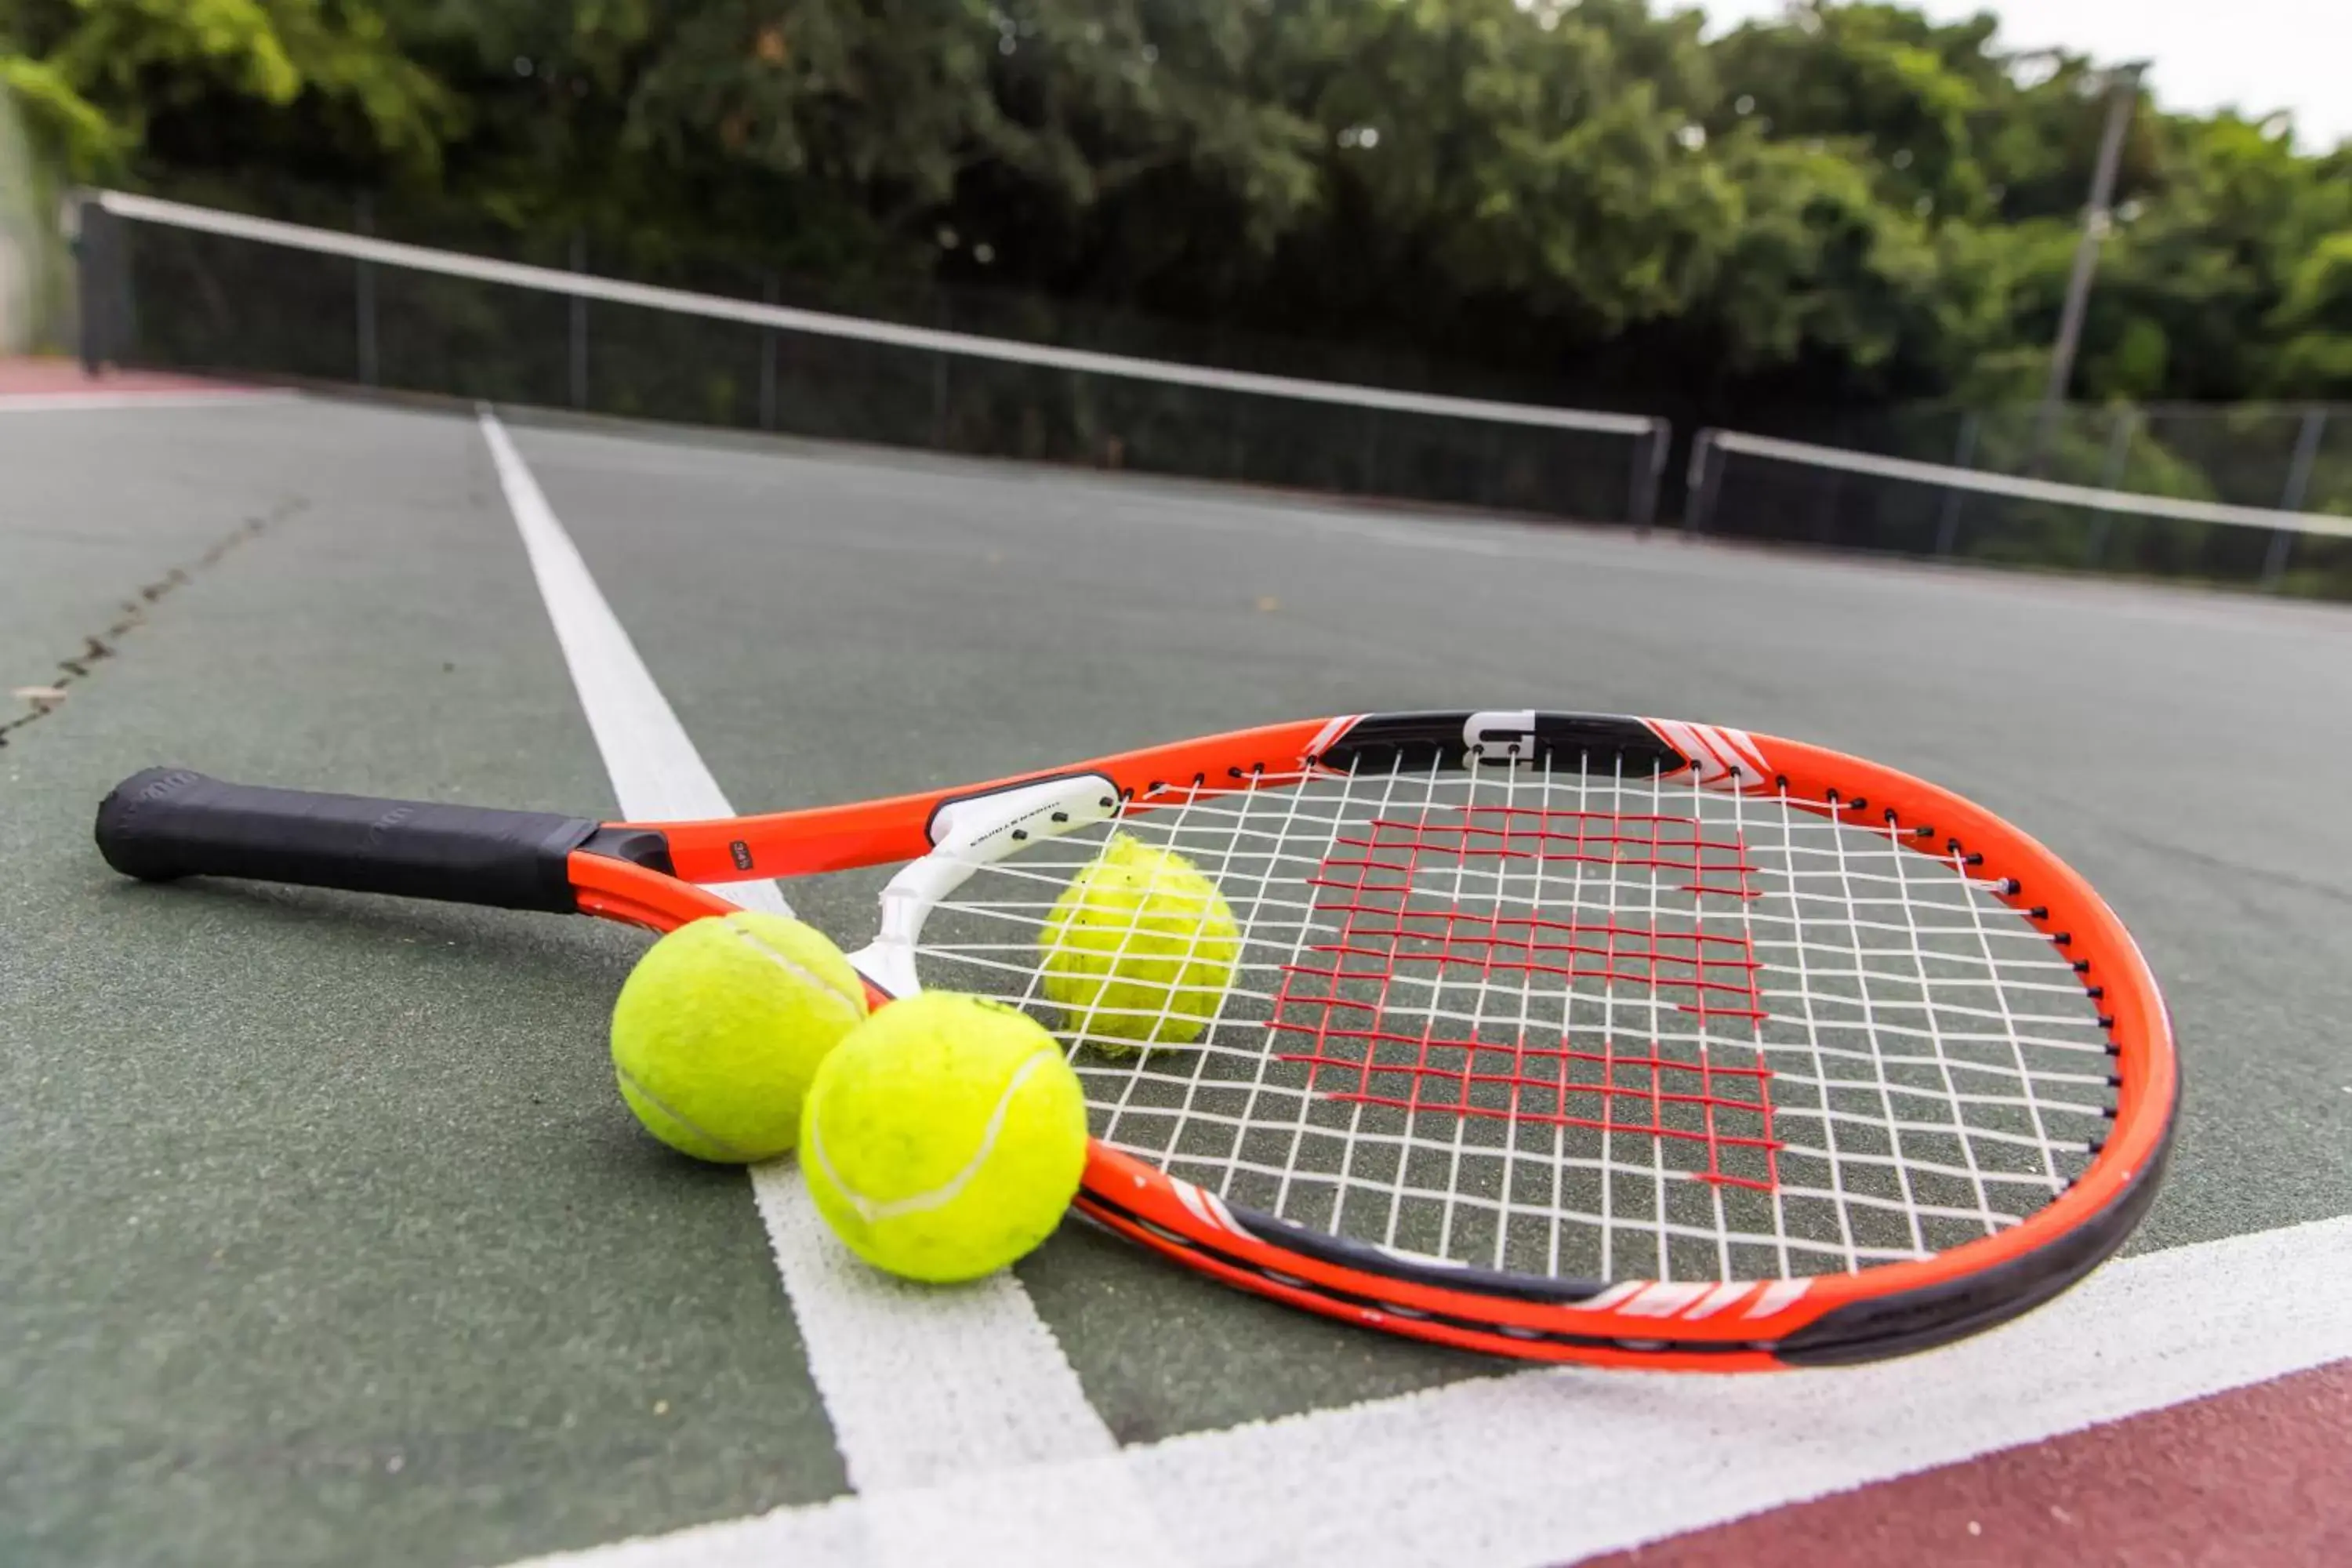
{"type": "Point", "coordinates": [1562, 1035]}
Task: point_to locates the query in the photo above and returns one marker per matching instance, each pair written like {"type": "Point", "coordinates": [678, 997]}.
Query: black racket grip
{"type": "Point", "coordinates": [172, 822]}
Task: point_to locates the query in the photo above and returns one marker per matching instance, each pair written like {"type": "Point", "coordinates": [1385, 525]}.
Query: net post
{"type": "Point", "coordinates": [1963, 455]}
{"type": "Point", "coordinates": [579, 323]}
{"type": "Point", "coordinates": [102, 282]}
{"type": "Point", "coordinates": [74, 216]}
{"type": "Point", "coordinates": [771, 289]}
{"type": "Point", "coordinates": [1649, 476]}
{"type": "Point", "coordinates": [1702, 477]}
{"type": "Point", "coordinates": [363, 216]}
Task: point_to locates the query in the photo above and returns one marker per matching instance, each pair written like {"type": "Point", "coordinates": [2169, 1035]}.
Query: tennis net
{"type": "Point", "coordinates": [171, 285]}
{"type": "Point", "coordinates": [1761, 486]}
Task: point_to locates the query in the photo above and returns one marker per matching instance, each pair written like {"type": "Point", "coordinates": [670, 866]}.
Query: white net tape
{"type": "Point", "coordinates": [1579, 1025]}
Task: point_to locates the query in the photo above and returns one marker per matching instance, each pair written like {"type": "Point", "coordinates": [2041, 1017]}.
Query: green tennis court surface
{"type": "Point", "coordinates": [327, 1238]}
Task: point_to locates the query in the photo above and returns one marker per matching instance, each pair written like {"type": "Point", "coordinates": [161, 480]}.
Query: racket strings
{"type": "Point", "coordinates": [1574, 1023]}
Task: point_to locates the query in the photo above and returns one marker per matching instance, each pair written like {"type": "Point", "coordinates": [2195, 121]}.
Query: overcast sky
{"type": "Point", "coordinates": [2256, 56]}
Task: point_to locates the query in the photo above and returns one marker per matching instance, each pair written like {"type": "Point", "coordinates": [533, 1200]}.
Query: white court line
{"type": "Point", "coordinates": [923, 1387]}
{"type": "Point", "coordinates": [74, 402]}
{"type": "Point", "coordinates": [1556, 1465]}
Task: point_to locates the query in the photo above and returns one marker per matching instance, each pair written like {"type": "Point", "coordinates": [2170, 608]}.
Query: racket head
{"type": "Point", "coordinates": [1564, 1036]}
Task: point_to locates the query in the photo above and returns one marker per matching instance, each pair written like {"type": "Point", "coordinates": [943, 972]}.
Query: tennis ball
{"type": "Point", "coordinates": [721, 1026]}
{"type": "Point", "coordinates": [945, 1137]}
{"type": "Point", "coordinates": [1139, 947]}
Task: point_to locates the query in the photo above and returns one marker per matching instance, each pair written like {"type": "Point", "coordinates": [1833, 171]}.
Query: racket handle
{"type": "Point", "coordinates": [172, 822]}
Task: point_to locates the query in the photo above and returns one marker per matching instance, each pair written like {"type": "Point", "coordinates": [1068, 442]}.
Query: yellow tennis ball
{"type": "Point", "coordinates": [945, 1137]}
{"type": "Point", "coordinates": [721, 1026]}
{"type": "Point", "coordinates": [1140, 948]}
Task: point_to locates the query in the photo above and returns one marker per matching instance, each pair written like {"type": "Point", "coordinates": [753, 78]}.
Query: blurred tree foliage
{"type": "Point", "coordinates": [1583, 199]}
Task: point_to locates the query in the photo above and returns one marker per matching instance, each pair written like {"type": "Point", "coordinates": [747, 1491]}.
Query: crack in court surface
{"type": "Point", "coordinates": [100, 646]}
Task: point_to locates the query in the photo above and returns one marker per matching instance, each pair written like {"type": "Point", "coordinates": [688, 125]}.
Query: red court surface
{"type": "Point", "coordinates": [63, 381]}
{"type": "Point", "coordinates": [2257, 1474]}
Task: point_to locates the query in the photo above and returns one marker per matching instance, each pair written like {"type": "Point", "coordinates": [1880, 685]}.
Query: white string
{"type": "Point", "coordinates": [1608, 1269]}
{"type": "Point", "coordinates": [1371, 1047]}
{"type": "Point", "coordinates": [1567, 1017]}
{"type": "Point", "coordinates": [1748, 930]}
{"type": "Point", "coordinates": [1870, 1031]}
{"type": "Point", "coordinates": [1472, 771]}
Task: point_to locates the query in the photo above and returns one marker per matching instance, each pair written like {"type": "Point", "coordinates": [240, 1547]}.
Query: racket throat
{"type": "Point", "coordinates": [968, 834]}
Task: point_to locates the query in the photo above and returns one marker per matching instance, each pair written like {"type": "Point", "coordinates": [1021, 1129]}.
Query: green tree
{"type": "Point", "coordinates": [1847, 204]}
{"type": "Point", "coordinates": [185, 77]}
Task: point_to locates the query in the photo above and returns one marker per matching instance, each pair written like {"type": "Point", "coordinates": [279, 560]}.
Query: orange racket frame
{"type": "Point", "coordinates": [169, 822]}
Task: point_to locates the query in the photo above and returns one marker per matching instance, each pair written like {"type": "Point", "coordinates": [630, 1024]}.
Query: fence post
{"type": "Point", "coordinates": [1649, 474]}
{"type": "Point", "coordinates": [579, 323]}
{"type": "Point", "coordinates": [769, 291]}
{"type": "Point", "coordinates": [2306, 454]}
{"type": "Point", "coordinates": [2120, 437]}
{"type": "Point", "coordinates": [943, 312]}
{"type": "Point", "coordinates": [1963, 455]}
{"type": "Point", "coordinates": [1702, 477]}
{"type": "Point", "coordinates": [2111, 476]}
{"type": "Point", "coordinates": [364, 216]}
{"type": "Point", "coordinates": [2298, 485]}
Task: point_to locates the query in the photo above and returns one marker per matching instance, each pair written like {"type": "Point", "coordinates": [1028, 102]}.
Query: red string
{"type": "Point", "coordinates": [1390, 923]}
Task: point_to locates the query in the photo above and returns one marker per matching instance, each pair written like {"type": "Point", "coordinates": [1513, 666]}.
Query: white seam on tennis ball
{"type": "Point", "coordinates": [798, 971]}
{"type": "Point", "coordinates": [952, 1188]}
{"type": "Point", "coordinates": [664, 1107]}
